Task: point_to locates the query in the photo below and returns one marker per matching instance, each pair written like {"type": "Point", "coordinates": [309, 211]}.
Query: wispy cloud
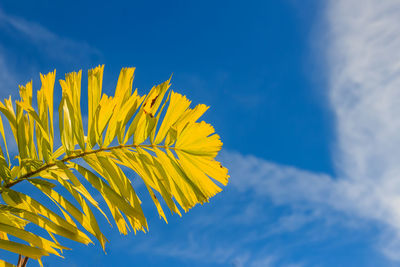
{"type": "Point", "coordinates": [364, 73]}
{"type": "Point", "coordinates": [364, 79]}
{"type": "Point", "coordinates": [365, 93]}
{"type": "Point", "coordinates": [231, 230]}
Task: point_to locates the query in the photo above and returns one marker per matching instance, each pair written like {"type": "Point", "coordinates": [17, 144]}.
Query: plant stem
{"type": "Point", "coordinates": [79, 155]}
{"type": "Point", "coordinates": [22, 261]}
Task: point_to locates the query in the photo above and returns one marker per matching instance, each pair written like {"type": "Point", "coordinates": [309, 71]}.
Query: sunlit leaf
{"type": "Point", "coordinates": [157, 136]}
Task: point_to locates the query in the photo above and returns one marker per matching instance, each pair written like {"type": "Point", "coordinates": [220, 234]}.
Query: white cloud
{"type": "Point", "coordinates": [364, 63]}
{"type": "Point", "coordinates": [364, 80]}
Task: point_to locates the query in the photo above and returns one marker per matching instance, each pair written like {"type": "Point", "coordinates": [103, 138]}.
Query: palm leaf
{"type": "Point", "coordinates": [158, 136]}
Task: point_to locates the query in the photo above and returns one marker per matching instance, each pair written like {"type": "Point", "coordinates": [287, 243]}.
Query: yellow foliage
{"type": "Point", "coordinates": [157, 135]}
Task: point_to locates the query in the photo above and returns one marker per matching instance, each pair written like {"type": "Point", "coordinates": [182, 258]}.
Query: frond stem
{"type": "Point", "coordinates": [79, 155]}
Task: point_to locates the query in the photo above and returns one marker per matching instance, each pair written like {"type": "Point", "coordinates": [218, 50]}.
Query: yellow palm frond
{"type": "Point", "coordinates": [157, 135]}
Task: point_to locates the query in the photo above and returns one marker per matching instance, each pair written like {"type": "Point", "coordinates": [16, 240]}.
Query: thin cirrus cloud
{"type": "Point", "coordinates": [364, 80]}
{"type": "Point", "coordinates": [364, 67]}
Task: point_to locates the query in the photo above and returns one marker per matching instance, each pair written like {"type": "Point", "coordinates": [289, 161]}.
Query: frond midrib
{"type": "Point", "coordinates": [77, 156]}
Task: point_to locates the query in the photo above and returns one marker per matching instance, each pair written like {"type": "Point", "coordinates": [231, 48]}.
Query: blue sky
{"type": "Point", "coordinates": [304, 95]}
